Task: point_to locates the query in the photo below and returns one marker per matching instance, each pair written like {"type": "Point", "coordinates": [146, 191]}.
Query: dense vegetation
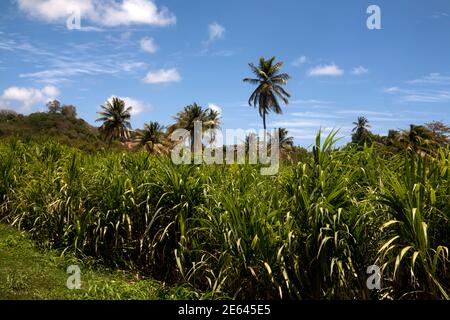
{"type": "Point", "coordinates": [42, 126]}
{"type": "Point", "coordinates": [308, 233]}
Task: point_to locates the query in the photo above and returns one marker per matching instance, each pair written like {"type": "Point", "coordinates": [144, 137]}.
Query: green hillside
{"type": "Point", "coordinates": [43, 126]}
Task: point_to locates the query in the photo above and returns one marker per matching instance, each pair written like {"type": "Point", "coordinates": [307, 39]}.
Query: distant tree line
{"type": "Point", "coordinates": [423, 139]}
{"type": "Point", "coordinates": [267, 97]}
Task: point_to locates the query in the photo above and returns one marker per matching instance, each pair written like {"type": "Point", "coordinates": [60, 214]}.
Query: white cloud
{"type": "Point", "coordinates": [432, 79]}
{"type": "Point", "coordinates": [90, 29]}
{"type": "Point", "coordinates": [355, 112]}
{"type": "Point", "coordinates": [326, 70]}
{"type": "Point", "coordinates": [131, 66]}
{"type": "Point", "coordinates": [311, 114]}
{"type": "Point", "coordinates": [311, 102]}
{"type": "Point", "coordinates": [56, 65]}
{"type": "Point", "coordinates": [215, 107]}
{"type": "Point", "coordinates": [62, 70]}
{"type": "Point", "coordinates": [426, 95]}
{"type": "Point", "coordinates": [299, 61]}
{"type": "Point", "coordinates": [431, 88]}
{"type": "Point", "coordinates": [216, 32]}
{"type": "Point", "coordinates": [138, 106]}
{"type": "Point", "coordinates": [29, 97]}
{"type": "Point", "coordinates": [431, 97]}
{"type": "Point", "coordinates": [438, 15]}
{"type": "Point", "coordinates": [107, 13]}
{"type": "Point", "coordinates": [148, 45]}
{"type": "Point", "coordinates": [163, 76]}
{"type": "Point", "coordinates": [391, 90]}
{"type": "Point", "coordinates": [359, 71]}
{"type": "Point", "coordinates": [300, 123]}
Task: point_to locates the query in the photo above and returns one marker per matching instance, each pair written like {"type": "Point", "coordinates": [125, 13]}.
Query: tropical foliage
{"type": "Point", "coordinates": [186, 119]}
{"type": "Point", "coordinates": [153, 138]}
{"type": "Point", "coordinates": [361, 133]}
{"type": "Point", "coordinates": [269, 82]}
{"type": "Point", "coordinates": [116, 120]}
{"type": "Point", "coordinates": [310, 232]}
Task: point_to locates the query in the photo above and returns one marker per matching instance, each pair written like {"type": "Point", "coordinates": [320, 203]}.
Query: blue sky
{"type": "Point", "coordinates": [162, 55]}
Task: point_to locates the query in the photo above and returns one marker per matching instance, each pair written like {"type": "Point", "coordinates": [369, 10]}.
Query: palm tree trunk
{"type": "Point", "coordinates": [192, 143]}
{"type": "Point", "coordinates": [264, 121]}
{"type": "Point", "coordinates": [264, 125]}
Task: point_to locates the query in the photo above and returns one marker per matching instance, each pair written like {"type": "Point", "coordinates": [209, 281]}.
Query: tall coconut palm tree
{"type": "Point", "coordinates": [153, 138]}
{"type": "Point", "coordinates": [186, 119]}
{"type": "Point", "coordinates": [115, 117]}
{"type": "Point", "coordinates": [361, 130]}
{"type": "Point", "coordinates": [269, 82]}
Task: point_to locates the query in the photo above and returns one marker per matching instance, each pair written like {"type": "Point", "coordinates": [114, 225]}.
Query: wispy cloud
{"type": "Point", "coordinates": [310, 102]}
{"type": "Point", "coordinates": [148, 45]}
{"type": "Point", "coordinates": [431, 79]}
{"type": "Point", "coordinates": [64, 69]}
{"type": "Point", "coordinates": [430, 91]}
{"type": "Point", "coordinates": [131, 66]}
{"type": "Point", "coordinates": [359, 71]}
{"type": "Point", "coordinates": [300, 123]}
{"type": "Point", "coordinates": [91, 29]}
{"type": "Point", "coordinates": [431, 88]}
{"type": "Point", "coordinates": [326, 70]}
{"type": "Point", "coordinates": [438, 15]}
{"type": "Point", "coordinates": [357, 112]}
{"type": "Point", "coordinates": [53, 65]}
{"type": "Point", "coordinates": [311, 114]}
{"type": "Point", "coordinates": [412, 95]}
{"type": "Point", "coordinates": [21, 44]}
{"type": "Point", "coordinates": [430, 97]}
{"type": "Point", "coordinates": [299, 61]}
{"type": "Point", "coordinates": [215, 32]}
{"type": "Point", "coordinates": [162, 76]}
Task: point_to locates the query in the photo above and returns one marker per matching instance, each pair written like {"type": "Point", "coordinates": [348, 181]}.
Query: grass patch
{"type": "Point", "coordinates": [27, 273]}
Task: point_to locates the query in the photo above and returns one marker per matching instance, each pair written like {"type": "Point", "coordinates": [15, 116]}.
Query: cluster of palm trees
{"type": "Point", "coordinates": [266, 97]}
{"type": "Point", "coordinates": [421, 139]}
{"type": "Point", "coordinates": [269, 82]}
{"type": "Point", "coordinates": [154, 137]}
